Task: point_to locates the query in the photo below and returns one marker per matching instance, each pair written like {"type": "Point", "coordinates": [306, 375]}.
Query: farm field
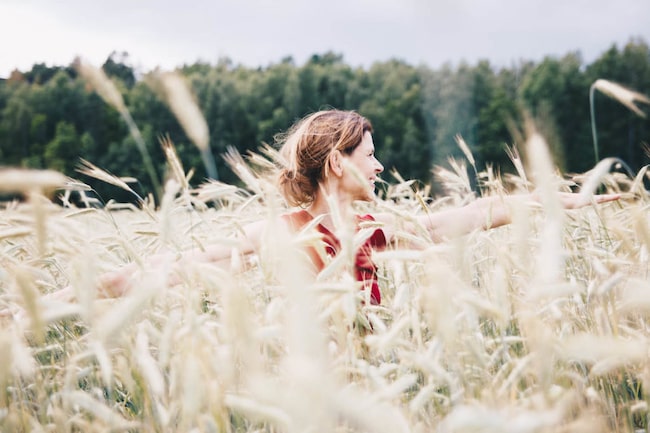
{"type": "Point", "coordinates": [538, 326]}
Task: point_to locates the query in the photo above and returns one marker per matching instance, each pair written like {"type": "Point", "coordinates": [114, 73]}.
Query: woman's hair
{"type": "Point", "coordinates": [306, 148]}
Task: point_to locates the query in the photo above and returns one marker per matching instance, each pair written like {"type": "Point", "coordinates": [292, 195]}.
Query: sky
{"type": "Point", "coordinates": [168, 34]}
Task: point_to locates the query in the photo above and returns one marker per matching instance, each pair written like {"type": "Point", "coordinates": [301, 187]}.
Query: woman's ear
{"type": "Point", "coordinates": [336, 163]}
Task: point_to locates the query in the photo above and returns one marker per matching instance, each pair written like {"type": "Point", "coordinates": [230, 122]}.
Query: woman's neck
{"type": "Point", "coordinates": [321, 206]}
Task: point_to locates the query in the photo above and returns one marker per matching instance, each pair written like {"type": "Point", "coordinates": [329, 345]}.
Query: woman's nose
{"type": "Point", "coordinates": [379, 168]}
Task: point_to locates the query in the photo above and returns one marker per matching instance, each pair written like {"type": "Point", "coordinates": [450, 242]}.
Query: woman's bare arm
{"type": "Point", "coordinates": [486, 213]}
{"type": "Point", "coordinates": [118, 282]}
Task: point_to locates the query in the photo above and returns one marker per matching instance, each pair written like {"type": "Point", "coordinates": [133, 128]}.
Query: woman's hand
{"type": "Point", "coordinates": [575, 201]}
{"type": "Point", "coordinates": [491, 212]}
{"type": "Point", "coordinates": [116, 283]}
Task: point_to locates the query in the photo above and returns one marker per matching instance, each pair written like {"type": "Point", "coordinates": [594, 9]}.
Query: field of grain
{"type": "Point", "coordinates": [537, 326]}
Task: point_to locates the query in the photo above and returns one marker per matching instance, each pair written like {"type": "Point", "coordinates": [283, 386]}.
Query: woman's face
{"type": "Point", "coordinates": [359, 180]}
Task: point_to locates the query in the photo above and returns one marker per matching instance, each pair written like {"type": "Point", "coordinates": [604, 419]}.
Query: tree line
{"type": "Point", "coordinates": [50, 117]}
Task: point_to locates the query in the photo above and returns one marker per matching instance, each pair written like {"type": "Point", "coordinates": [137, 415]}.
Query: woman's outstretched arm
{"type": "Point", "coordinates": [118, 282]}
{"type": "Point", "coordinates": [486, 213]}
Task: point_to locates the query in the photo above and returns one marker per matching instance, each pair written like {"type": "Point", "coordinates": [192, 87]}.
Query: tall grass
{"type": "Point", "coordinates": [625, 96]}
{"type": "Point", "coordinates": [538, 326]}
{"type": "Point", "coordinates": [471, 334]}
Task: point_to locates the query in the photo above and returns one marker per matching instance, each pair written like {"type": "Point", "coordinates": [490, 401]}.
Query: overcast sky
{"type": "Point", "coordinates": [168, 33]}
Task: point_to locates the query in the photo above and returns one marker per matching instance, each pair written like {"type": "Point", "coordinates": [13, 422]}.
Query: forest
{"type": "Point", "coordinates": [51, 118]}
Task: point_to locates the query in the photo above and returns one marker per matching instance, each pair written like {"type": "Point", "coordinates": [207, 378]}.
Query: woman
{"type": "Point", "coordinates": [330, 163]}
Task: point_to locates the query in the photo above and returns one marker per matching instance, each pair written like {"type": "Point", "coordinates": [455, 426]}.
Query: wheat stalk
{"type": "Point", "coordinates": [620, 93]}
{"type": "Point", "coordinates": [111, 95]}
{"type": "Point", "coordinates": [178, 96]}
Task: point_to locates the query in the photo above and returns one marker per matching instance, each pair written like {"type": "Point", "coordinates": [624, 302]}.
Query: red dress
{"type": "Point", "coordinates": [365, 270]}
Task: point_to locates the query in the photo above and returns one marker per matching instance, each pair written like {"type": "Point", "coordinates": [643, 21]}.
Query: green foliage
{"type": "Point", "coordinates": [60, 153]}
{"type": "Point", "coordinates": [555, 93]}
{"type": "Point", "coordinates": [416, 111]}
{"type": "Point", "coordinates": [116, 67]}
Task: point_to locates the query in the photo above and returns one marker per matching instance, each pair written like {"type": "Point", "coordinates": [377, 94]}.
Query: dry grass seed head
{"type": "Point", "coordinates": [27, 181]}
{"type": "Point", "coordinates": [550, 257]}
{"type": "Point", "coordinates": [99, 410]}
{"type": "Point", "coordinates": [607, 352]}
{"type": "Point", "coordinates": [455, 181]}
{"type": "Point", "coordinates": [178, 96]}
{"type": "Point", "coordinates": [177, 93]}
{"type": "Point", "coordinates": [100, 82]}
{"type": "Point", "coordinates": [622, 94]}
{"type": "Point", "coordinates": [91, 170]}
{"type": "Point", "coordinates": [465, 149]}
{"type": "Point", "coordinates": [174, 162]}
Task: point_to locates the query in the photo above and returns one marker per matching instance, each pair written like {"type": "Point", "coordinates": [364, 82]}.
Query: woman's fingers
{"type": "Point", "coordinates": [604, 198]}
{"type": "Point", "coordinates": [575, 201]}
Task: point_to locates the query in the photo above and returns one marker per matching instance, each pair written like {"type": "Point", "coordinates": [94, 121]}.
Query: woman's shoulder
{"type": "Point", "coordinates": [296, 219]}
{"type": "Point", "coordinates": [296, 214]}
